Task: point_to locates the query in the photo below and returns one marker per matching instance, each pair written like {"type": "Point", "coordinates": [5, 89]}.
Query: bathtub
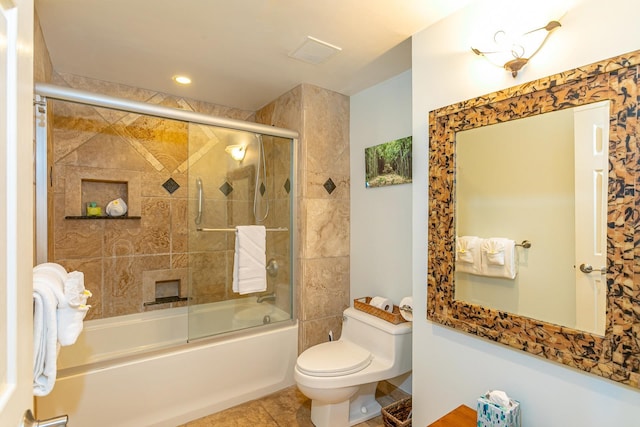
{"type": "Point", "coordinates": [138, 370]}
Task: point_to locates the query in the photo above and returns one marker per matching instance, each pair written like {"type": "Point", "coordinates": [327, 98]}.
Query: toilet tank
{"type": "Point", "coordinates": [383, 339]}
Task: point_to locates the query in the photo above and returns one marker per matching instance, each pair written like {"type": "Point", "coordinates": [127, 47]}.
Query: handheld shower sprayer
{"type": "Point", "coordinates": [256, 190]}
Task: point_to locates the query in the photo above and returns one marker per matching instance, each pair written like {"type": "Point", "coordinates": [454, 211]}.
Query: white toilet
{"type": "Point", "coordinates": [340, 377]}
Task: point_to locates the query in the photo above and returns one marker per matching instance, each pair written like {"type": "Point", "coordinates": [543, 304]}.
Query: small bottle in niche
{"type": "Point", "coordinates": [93, 209]}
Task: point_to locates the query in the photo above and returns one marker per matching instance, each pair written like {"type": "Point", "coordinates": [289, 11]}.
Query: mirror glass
{"type": "Point", "coordinates": [530, 209]}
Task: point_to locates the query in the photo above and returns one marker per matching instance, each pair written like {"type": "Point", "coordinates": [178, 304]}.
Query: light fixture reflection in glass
{"type": "Point", "coordinates": [237, 152]}
{"type": "Point", "coordinates": [513, 53]}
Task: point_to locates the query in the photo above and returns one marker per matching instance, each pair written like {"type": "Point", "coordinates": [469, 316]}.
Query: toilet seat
{"type": "Point", "coordinates": [333, 359]}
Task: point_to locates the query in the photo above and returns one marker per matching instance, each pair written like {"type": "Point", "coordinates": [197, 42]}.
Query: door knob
{"type": "Point", "coordinates": [586, 268]}
{"type": "Point", "coordinates": [28, 420]}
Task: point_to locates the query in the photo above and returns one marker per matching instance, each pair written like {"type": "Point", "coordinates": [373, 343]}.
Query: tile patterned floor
{"type": "Point", "coordinates": [286, 408]}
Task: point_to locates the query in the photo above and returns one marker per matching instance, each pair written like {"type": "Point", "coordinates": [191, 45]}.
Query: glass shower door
{"type": "Point", "coordinates": [237, 178]}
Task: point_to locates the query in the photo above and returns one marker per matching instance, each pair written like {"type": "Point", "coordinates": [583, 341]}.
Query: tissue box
{"type": "Point", "coordinates": [493, 415]}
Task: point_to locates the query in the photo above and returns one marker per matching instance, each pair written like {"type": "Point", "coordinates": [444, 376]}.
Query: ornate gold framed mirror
{"type": "Point", "coordinates": [616, 355]}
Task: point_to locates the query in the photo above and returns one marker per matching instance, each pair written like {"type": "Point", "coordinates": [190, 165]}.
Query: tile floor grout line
{"type": "Point", "coordinates": [287, 408]}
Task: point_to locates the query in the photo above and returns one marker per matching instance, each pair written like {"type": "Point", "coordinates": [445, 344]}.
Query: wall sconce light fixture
{"type": "Point", "coordinates": [513, 53]}
{"type": "Point", "coordinates": [237, 152]}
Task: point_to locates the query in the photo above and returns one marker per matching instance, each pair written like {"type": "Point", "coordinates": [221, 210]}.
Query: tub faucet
{"type": "Point", "coordinates": [270, 297]}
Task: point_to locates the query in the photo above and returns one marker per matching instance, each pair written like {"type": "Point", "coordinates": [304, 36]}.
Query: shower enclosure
{"type": "Point", "coordinates": [188, 180]}
{"type": "Point", "coordinates": [245, 180]}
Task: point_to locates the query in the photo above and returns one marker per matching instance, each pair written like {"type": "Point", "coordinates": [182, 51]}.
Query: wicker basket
{"type": "Point", "coordinates": [362, 304]}
{"type": "Point", "coordinates": [397, 414]}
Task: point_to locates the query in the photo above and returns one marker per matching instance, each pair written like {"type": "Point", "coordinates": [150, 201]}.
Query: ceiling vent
{"type": "Point", "coordinates": [314, 51]}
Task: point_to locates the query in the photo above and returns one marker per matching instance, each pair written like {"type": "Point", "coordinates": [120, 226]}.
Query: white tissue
{"type": "Point", "coordinates": [382, 303]}
{"type": "Point", "coordinates": [406, 308]}
{"type": "Point", "coordinates": [499, 398]}
{"type": "Point", "coordinates": [116, 208]}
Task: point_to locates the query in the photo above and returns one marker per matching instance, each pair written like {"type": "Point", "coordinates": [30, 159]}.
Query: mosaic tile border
{"type": "Point", "coordinates": [616, 355]}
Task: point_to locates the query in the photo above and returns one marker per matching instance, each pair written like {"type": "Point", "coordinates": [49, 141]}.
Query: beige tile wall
{"type": "Point", "coordinates": [109, 148]}
{"type": "Point", "coordinates": [322, 119]}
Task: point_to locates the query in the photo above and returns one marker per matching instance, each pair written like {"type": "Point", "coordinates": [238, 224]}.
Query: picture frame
{"type": "Point", "coordinates": [388, 163]}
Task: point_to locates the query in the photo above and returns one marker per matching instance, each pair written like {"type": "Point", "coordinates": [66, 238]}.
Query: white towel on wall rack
{"type": "Point", "coordinates": [45, 339]}
{"type": "Point", "coordinates": [468, 254]}
{"type": "Point", "coordinates": [71, 299]}
{"type": "Point", "coordinates": [249, 261]}
{"type": "Point", "coordinates": [59, 307]}
{"type": "Point", "coordinates": [71, 314]}
{"type": "Point", "coordinates": [499, 257]}
{"type": "Point", "coordinates": [494, 250]}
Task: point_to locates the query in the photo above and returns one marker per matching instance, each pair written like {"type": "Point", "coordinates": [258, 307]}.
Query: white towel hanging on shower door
{"type": "Point", "coordinates": [249, 261]}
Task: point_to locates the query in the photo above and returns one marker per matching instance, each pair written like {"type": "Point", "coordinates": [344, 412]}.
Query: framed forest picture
{"type": "Point", "coordinates": [388, 163]}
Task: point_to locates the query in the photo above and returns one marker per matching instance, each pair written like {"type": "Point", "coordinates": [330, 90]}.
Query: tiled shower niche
{"type": "Point", "coordinates": [101, 193]}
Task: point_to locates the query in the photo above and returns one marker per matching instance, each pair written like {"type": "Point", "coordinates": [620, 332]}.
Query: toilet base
{"type": "Point", "coordinates": [361, 407]}
{"type": "Point", "coordinates": [329, 414]}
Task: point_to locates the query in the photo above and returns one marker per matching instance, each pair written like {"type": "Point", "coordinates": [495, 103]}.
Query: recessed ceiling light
{"type": "Point", "coordinates": [183, 80]}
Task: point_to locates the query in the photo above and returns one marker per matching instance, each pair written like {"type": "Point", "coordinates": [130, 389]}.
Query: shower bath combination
{"type": "Point", "coordinates": [185, 198]}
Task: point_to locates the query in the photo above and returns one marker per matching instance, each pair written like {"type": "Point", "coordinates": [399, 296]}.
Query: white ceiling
{"type": "Point", "coordinates": [235, 51]}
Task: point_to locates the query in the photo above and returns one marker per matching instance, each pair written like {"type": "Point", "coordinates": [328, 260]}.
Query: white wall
{"type": "Point", "coordinates": [450, 367]}
{"type": "Point", "coordinates": [380, 217]}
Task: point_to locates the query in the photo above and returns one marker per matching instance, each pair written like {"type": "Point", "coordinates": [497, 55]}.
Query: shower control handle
{"type": "Point", "coordinates": [272, 267]}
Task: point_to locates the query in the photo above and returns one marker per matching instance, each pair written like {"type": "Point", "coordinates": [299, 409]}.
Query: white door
{"type": "Point", "coordinates": [591, 132]}
{"type": "Point", "coordinates": [16, 209]}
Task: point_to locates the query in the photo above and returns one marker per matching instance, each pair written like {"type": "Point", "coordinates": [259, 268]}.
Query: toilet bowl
{"type": "Point", "coordinates": [340, 377]}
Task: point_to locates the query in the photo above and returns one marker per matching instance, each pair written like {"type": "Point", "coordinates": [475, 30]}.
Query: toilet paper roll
{"type": "Point", "coordinates": [382, 303]}
{"type": "Point", "coordinates": [406, 308]}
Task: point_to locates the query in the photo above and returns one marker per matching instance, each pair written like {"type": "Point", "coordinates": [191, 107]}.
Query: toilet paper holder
{"type": "Point", "coordinates": [406, 308]}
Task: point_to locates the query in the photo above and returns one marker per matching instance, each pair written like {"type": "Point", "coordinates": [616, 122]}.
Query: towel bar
{"type": "Point", "coordinates": [525, 244]}
{"type": "Point", "coordinates": [233, 229]}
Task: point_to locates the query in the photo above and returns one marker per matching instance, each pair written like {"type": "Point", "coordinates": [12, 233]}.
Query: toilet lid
{"type": "Point", "coordinates": [332, 359]}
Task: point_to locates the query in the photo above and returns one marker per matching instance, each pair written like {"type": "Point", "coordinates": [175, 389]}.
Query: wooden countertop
{"type": "Point", "coordinates": [462, 416]}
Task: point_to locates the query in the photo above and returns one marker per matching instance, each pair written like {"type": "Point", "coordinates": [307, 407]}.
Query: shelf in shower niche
{"type": "Point", "coordinates": [166, 300]}
{"type": "Point", "coordinates": [102, 217]}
